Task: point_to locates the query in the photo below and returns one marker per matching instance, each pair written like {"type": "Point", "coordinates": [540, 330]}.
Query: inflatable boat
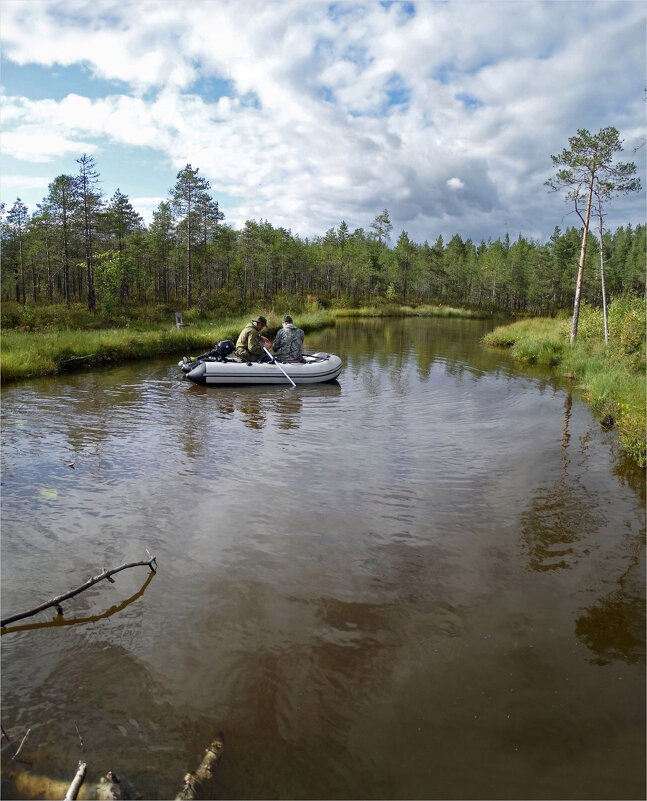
{"type": "Point", "coordinates": [210, 370]}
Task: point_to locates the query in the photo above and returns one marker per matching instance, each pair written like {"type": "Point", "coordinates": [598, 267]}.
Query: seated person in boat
{"type": "Point", "coordinates": [249, 345]}
{"type": "Point", "coordinates": [288, 342]}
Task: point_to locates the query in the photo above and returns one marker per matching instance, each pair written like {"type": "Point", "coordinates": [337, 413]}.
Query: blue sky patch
{"type": "Point", "coordinates": [398, 94]}
{"type": "Point", "coordinates": [211, 88]}
{"type": "Point", "coordinates": [54, 83]}
{"type": "Point", "coordinates": [468, 100]}
{"type": "Point", "coordinates": [407, 9]}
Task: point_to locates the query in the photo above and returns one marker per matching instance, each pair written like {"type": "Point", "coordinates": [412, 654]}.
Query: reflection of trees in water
{"type": "Point", "coordinates": [558, 516]}
{"type": "Point", "coordinates": [396, 343]}
{"type": "Point", "coordinates": [614, 626]}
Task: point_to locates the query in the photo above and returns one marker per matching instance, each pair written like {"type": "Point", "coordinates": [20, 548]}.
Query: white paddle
{"type": "Point", "coordinates": [279, 366]}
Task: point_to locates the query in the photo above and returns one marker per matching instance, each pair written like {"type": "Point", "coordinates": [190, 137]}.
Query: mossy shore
{"type": "Point", "coordinates": [611, 377]}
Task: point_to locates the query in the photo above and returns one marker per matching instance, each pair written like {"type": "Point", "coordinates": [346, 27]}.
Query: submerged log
{"type": "Point", "coordinates": [192, 781]}
{"type": "Point", "coordinates": [106, 574]}
{"type": "Point", "coordinates": [25, 784]}
{"type": "Point", "coordinates": [77, 781]}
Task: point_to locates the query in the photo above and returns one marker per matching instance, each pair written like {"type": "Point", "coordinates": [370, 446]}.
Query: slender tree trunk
{"type": "Point", "coordinates": [580, 272]}
{"type": "Point", "coordinates": [602, 278]}
{"type": "Point", "coordinates": [188, 255]}
{"type": "Point", "coordinates": [22, 270]}
{"type": "Point", "coordinates": [66, 263]}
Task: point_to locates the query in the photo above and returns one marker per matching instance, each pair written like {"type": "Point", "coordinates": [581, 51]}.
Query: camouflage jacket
{"type": "Point", "coordinates": [288, 342]}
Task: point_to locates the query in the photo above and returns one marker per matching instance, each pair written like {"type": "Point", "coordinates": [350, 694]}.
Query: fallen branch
{"type": "Point", "coordinates": [59, 620]}
{"type": "Point", "coordinates": [74, 788]}
{"type": "Point", "coordinates": [192, 781]}
{"type": "Point", "coordinates": [75, 361]}
{"type": "Point", "coordinates": [106, 574]}
{"type": "Point", "coordinates": [22, 742]}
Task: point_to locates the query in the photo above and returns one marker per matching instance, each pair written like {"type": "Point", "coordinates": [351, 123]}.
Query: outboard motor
{"type": "Point", "coordinates": [222, 349]}
{"type": "Point", "coordinates": [218, 353]}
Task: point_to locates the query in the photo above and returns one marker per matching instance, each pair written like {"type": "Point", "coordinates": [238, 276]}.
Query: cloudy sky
{"type": "Point", "coordinates": [307, 113]}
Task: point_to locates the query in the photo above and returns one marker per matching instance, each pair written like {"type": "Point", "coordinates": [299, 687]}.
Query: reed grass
{"type": "Point", "coordinates": [611, 378]}
{"type": "Point", "coordinates": [393, 310]}
{"type": "Point", "coordinates": [30, 353]}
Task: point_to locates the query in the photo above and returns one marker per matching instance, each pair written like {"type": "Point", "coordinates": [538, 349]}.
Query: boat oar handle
{"type": "Point", "coordinates": [273, 360]}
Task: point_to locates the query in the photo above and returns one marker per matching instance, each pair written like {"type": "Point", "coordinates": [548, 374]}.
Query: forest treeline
{"type": "Point", "coordinates": [79, 246]}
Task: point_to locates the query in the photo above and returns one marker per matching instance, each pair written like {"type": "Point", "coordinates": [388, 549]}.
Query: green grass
{"type": "Point", "coordinates": [29, 353]}
{"type": "Point", "coordinates": [611, 378]}
{"type": "Point", "coordinates": [43, 340]}
{"type": "Point", "coordinates": [393, 310]}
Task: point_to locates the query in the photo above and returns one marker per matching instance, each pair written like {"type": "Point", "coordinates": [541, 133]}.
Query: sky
{"type": "Point", "coordinates": [307, 113]}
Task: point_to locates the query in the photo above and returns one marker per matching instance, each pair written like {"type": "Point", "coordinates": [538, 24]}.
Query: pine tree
{"type": "Point", "coordinates": [187, 194]}
{"type": "Point", "coordinates": [589, 163]}
{"type": "Point", "coordinates": [17, 221]}
{"type": "Point", "coordinates": [90, 206]}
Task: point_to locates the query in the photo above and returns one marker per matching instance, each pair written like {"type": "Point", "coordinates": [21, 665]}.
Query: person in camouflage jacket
{"type": "Point", "coordinates": [249, 345]}
{"type": "Point", "coordinates": [288, 341]}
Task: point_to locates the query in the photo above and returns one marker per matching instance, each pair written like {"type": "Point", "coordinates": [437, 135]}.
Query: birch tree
{"type": "Point", "coordinates": [589, 161]}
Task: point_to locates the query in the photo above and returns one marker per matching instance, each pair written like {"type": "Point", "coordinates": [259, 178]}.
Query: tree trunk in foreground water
{"type": "Point", "coordinates": [192, 781]}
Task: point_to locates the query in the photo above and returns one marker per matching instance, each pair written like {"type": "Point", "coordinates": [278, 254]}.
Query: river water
{"type": "Point", "coordinates": [423, 581]}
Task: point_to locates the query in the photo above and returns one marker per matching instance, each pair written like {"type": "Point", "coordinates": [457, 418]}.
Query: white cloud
{"type": "Point", "coordinates": [306, 134]}
{"type": "Point", "coordinates": [146, 206]}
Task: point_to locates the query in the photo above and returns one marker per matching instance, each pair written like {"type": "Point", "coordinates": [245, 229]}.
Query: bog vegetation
{"type": "Point", "coordinates": [92, 278]}
{"type": "Point", "coordinates": [611, 376]}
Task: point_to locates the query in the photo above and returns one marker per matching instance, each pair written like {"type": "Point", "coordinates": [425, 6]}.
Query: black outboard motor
{"type": "Point", "coordinates": [218, 353]}
{"type": "Point", "coordinates": [222, 349]}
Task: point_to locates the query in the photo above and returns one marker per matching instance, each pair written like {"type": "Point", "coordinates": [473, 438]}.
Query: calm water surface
{"type": "Point", "coordinates": [423, 581]}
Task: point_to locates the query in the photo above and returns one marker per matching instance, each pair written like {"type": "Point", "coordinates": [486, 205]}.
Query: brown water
{"type": "Point", "coordinates": [423, 581]}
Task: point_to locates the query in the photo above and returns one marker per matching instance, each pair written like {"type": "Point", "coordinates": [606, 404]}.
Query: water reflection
{"type": "Point", "coordinates": [559, 514]}
{"type": "Point", "coordinates": [60, 620]}
{"type": "Point", "coordinates": [425, 562]}
{"type": "Point", "coordinates": [256, 406]}
{"type": "Point", "coordinates": [564, 514]}
{"type": "Point", "coordinates": [614, 626]}
{"type": "Point", "coordinates": [84, 695]}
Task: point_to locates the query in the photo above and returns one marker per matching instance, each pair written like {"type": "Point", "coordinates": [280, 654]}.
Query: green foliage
{"type": "Point", "coordinates": [627, 323]}
{"type": "Point", "coordinates": [187, 257]}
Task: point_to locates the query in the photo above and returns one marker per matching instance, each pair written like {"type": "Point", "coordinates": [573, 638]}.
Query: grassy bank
{"type": "Point", "coordinates": [611, 378]}
{"type": "Point", "coordinates": [52, 349]}
{"type": "Point", "coordinates": [393, 310]}
{"type": "Point", "coordinates": [44, 340]}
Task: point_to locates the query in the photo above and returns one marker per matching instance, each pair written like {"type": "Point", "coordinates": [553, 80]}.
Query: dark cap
{"type": "Point", "coordinates": [260, 319]}
{"type": "Point", "coordinates": [287, 319]}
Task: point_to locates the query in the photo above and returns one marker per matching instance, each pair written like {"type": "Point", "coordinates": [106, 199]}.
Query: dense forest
{"type": "Point", "coordinates": [79, 246]}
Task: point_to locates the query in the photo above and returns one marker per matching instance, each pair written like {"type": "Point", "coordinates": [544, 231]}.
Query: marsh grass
{"type": "Point", "coordinates": [393, 310]}
{"type": "Point", "coordinates": [611, 378]}
{"type": "Point", "coordinates": [29, 353]}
